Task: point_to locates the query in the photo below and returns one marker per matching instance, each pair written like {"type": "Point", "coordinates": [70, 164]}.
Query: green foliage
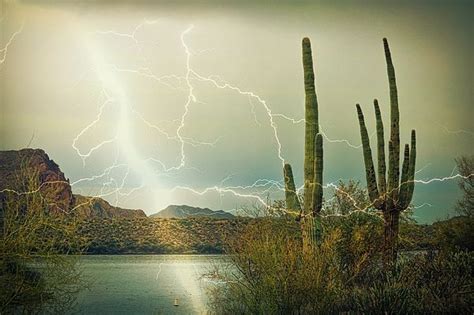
{"type": "Point", "coordinates": [275, 275]}
{"type": "Point", "coordinates": [420, 284]}
{"type": "Point", "coordinates": [465, 165]}
{"type": "Point", "coordinates": [348, 197]}
{"type": "Point", "coordinates": [34, 275]}
{"type": "Point", "coordinates": [415, 237]}
{"type": "Point", "coordinates": [360, 243]}
{"type": "Point", "coordinates": [455, 233]}
{"type": "Point", "coordinates": [270, 273]}
{"type": "Point", "coordinates": [158, 236]}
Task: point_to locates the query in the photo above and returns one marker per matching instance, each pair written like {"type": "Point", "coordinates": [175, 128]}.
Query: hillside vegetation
{"type": "Point", "coordinates": [158, 236]}
{"type": "Point", "coordinates": [203, 235]}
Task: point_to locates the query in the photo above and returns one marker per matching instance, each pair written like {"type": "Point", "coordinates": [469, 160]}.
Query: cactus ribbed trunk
{"type": "Point", "coordinates": [367, 153]}
{"type": "Point", "coordinates": [291, 196]}
{"type": "Point", "coordinates": [318, 177]}
{"type": "Point", "coordinates": [313, 161]}
{"type": "Point", "coordinates": [311, 124]}
{"type": "Point", "coordinates": [382, 186]}
{"type": "Point", "coordinates": [2, 222]}
{"type": "Point", "coordinates": [393, 193]}
{"type": "Point", "coordinates": [391, 229]}
{"type": "Point", "coordinates": [394, 153]}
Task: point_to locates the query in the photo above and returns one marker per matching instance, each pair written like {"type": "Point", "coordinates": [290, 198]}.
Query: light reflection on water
{"type": "Point", "coordinates": [145, 284]}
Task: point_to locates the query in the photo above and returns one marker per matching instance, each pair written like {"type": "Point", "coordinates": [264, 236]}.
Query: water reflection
{"type": "Point", "coordinates": [146, 284]}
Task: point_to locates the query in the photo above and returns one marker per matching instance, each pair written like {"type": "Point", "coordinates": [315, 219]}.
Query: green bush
{"type": "Point", "coordinates": [274, 276]}
{"type": "Point", "coordinates": [34, 273]}
{"type": "Point", "coordinates": [269, 273]}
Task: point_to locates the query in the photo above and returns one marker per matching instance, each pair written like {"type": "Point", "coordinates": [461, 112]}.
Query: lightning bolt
{"type": "Point", "coordinates": [112, 96]}
{"type": "Point", "coordinates": [456, 132]}
{"type": "Point", "coordinates": [4, 50]}
{"type": "Point", "coordinates": [442, 179]}
{"type": "Point", "coordinates": [219, 83]}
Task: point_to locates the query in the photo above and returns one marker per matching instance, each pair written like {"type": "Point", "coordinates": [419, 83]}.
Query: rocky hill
{"type": "Point", "coordinates": [31, 170]}
{"type": "Point", "coordinates": [199, 235]}
{"type": "Point", "coordinates": [183, 211]}
{"type": "Point", "coordinates": [93, 207]}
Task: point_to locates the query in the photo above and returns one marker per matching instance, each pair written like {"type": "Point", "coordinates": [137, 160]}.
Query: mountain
{"type": "Point", "coordinates": [183, 211]}
{"type": "Point", "coordinates": [195, 235]}
{"type": "Point", "coordinates": [32, 170]}
{"type": "Point", "coordinates": [93, 207]}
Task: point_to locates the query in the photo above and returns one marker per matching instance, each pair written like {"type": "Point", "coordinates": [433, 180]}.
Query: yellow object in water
{"type": "Point", "coordinates": [176, 302]}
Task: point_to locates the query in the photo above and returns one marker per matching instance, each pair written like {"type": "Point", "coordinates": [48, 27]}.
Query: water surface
{"type": "Point", "coordinates": [146, 284]}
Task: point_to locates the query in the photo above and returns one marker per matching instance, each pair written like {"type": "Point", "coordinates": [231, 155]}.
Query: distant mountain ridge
{"type": "Point", "coordinates": [17, 166]}
{"type": "Point", "coordinates": [94, 207]}
{"type": "Point", "coordinates": [184, 211]}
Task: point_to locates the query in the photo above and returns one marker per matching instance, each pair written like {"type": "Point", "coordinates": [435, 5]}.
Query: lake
{"type": "Point", "coordinates": [146, 284]}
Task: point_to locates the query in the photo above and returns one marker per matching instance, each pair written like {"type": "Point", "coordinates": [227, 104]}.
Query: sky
{"type": "Point", "coordinates": [150, 104]}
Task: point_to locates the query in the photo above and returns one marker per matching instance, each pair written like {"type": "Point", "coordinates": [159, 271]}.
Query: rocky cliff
{"type": "Point", "coordinates": [31, 170]}
{"type": "Point", "coordinates": [93, 207]}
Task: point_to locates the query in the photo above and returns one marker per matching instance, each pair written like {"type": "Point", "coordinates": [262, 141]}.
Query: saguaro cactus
{"type": "Point", "coordinates": [389, 194]}
{"type": "Point", "coordinates": [313, 159]}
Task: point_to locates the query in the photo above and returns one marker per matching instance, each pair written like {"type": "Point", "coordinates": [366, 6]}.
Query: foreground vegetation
{"type": "Point", "coordinates": [35, 275]}
{"type": "Point", "coordinates": [271, 273]}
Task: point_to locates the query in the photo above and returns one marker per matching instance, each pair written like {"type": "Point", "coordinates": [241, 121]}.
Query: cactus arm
{"type": "Point", "coordinates": [318, 177]}
{"type": "Point", "coordinates": [369, 164]}
{"type": "Point", "coordinates": [291, 196]}
{"type": "Point", "coordinates": [411, 169]}
{"type": "Point", "coordinates": [394, 150]}
{"type": "Point", "coordinates": [380, 150]}
{"type": "Point", "coordinates": [402, 197]}
{"type": "Point", "coordinates": [311, 125]}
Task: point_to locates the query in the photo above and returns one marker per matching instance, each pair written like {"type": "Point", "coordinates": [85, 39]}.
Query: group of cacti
{"type": "Point", "coordinates": [390, 194]}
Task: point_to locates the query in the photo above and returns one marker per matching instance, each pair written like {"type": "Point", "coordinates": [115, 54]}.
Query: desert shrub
{"type": "Point", "coordinates": [270, 273]}
{"type": "Point", "coordinates": [455, 233]}
{"type": "Point", "coordinates": [424, 283]}
{"type": "Point", "coordinates": [443, 282]}
{"type": "Point", "coordinates": [360, 242]}
{"type": "Point", "coordinates": [465, 206]}
{"type": "Point", "coordinates": [273, 275]}
{"type": "Point", "coordinates": [34, 273]}
{"type": "Point", "coordinates": [415, 237]}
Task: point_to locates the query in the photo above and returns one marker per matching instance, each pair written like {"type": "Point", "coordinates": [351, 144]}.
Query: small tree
{"type": "Point", "coordinates": [348, 197]}
{"type": "Point", "coordinates": [34, 273]}
{"type": "Point", "coordinates": [465, 206]}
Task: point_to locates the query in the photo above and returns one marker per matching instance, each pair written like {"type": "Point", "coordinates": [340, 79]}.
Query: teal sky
{"type": "Point", "coordinates": [79, 75]}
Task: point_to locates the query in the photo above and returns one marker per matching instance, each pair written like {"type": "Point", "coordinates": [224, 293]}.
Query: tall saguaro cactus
{"type": "Point", "coordinates": [313, 159]}
{"type": "Point", "coordinates": [390, 194]}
